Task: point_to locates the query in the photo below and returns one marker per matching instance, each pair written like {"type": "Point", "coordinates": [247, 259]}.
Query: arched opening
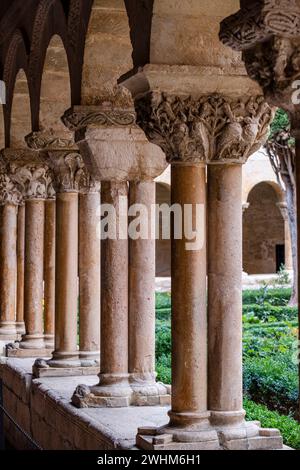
{"type": "Point", "coordinates": [20, 112]}
{"type": "Point", "coordinates": [163, 247]}
{"type": "Point", "coordinates": [55, 88]}
{"type": "Point", "coordinates": [263, 231]}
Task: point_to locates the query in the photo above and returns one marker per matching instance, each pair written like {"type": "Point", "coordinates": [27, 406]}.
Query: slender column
{"type": "Point", "coordinates": [8, 264]}
{"type": "Point", "coordinates": [20, 325]}
{"type": "Point", "coordinates": [142, 299]}
{"type": "Point", "coordinates": [66, 353]}
{"type": "Point", "coordinates": [189, 327]}
{"type": "Point", "coordinates": [89, 277]}
{"type": "Point", "coordinates": [225, 293]}
{"type": "Point", "coordinates": [288, 258]}
{"type": "Point", "coordinates": [114, 301]}
{"type": "Point", "coordinates": [113, 389]}
{"type": "Point", "coordinates": [49, 272]}
{"type": "Point", "coordinates": [33, 283]}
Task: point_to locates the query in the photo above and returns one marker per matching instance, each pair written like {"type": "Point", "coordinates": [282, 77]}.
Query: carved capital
{"type": "Point", "coordinates": [80, 117]}
{"type": "Point", "coordinates": [30, 174]}
{"type": "Point", "coordinates": [49, 141]}
{"type": "Point", "coordinates": [208, 129]}
{"type": "Point", "coordinates": [69, 170]}
{"type": "Point", "coordinates": [259, 21]}
{"type": "Point", "coordinates": [268, 33]}
{"type": "Point", "coordinates": [9, 193]}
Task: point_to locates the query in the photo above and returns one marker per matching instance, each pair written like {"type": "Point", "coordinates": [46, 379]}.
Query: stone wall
{"type": "Point", "coordinates": [43, 409]}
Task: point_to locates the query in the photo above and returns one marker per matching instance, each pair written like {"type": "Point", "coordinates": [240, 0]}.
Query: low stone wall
{"type": "Point", "coordinates": [42, 408]}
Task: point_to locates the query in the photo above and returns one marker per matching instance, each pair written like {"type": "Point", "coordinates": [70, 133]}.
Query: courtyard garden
{"type": "Point", "coordinates": [269, 357]}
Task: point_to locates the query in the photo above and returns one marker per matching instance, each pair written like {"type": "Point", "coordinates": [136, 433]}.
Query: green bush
{"type": "Point", "coordinates": [267, 312]}
{"type": "Point", "coordinates": [275, 297]}
{"type": "Point", "coordinates": [289, 428]}
{"type": "Point", "coordinates": [272, 381]}
{"type": "Point", "coordinates": [163, 300]}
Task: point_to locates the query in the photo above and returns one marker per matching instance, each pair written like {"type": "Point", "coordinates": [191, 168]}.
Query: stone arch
{"type": "Point", "coordinates": [43, 31]}
{"type": "Point", "coordinates": [20, 122]}
{"type": "Point", "coordinates": [276, 187]}
{"type": "Point", "coordinates": [263, 230]}
{"type": "Point", "coordinates": [163, 247]}
{"type": "Point", "coordinates": [55, 83]}
{"type": "Point", "coordinates": [16, 59]}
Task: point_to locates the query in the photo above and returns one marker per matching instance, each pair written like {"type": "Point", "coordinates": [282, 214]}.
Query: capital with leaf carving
{"type": "Point", "coordinates": [268, 34]}
{"type": "Point", "coordinates": [207, 129]}
{"type": "Point", "coordinates": [70, 171]}
{"type": "Point", "coordinates": [29, 173]}
{"type": "Point", "coordinates": [9, 193]}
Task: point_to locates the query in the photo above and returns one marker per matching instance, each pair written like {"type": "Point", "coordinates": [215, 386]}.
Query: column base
{"type": "Point", "coordinates": [186, 431]}
{"type": "Point", "coordinates": [113, 391]}
{"type": "Point", "coordinates": [49, 342]}
{"type": "Point", "coordinates": [34, 341]}
{"type": "Point", "coordinates": [147, 392]}
{"type": "Point", "coordinates": [20, 327]}
{"type": "Point", "coordinates": [249, 436]}
{"type": "Point", "coordinates": [62, 365]}
{"type": "Point", "coordinates": [90, 359]}
{"type": "Point", "coordinates": [8, 329]}
{"type": "Point", "coordinates": [14, 350]}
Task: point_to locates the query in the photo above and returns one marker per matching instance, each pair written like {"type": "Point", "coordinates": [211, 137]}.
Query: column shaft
{"type": "Point", "coordinates": [142, 290]}
{"type": "Point", "coordinates": [114, 294]}
{"type": "Point", "coordinates": [33, 281]}
{"type": "Point", "coordinates": [8, 266]}
{"type": "Point", "coordinates": [49, 272]}
{"type": "Point", "coordinates": [189, 324]}
{"type": "Point", "coordinates": [66, 351]}
{"type": "Point", "coordinates": [225, 293]}
{"type": "Point", "coordinates": [89, 277]}
{"type": "Point", "coordinates": [20, 269]}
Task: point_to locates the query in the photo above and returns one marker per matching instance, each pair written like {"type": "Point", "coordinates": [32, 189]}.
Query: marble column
{"type": "Point", "coordinates": [20, 325]}
{"type": "Point", "coordinates": [89, 275]}
{"type": "Point", "coordinates": [10, 198]}
{"type": "Point", "coordinates": [49, 272]}
{"type": "Point", "coordinates": [225, 389]}
{"type": "Point", "coordinates": [142, 299]}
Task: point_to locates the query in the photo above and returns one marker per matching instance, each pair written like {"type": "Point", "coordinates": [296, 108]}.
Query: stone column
{"type": "Point", "coordinates": [113, 389]}
{"type": "Point", "coordinates": [142, 299]}
{"type": "Point", "coordinates": [189, 426]}
{"type": "Point", "coordinates": [20, 325]}
{"type": "Point", "coordinates": [225, 294]}
{"type": "Point", "coordinates": [10, 198]}
{"type": "Point", "coordinates": [288, 257]}
{"type": "Point", "coordinates": [49, 273]}
{"type": "Point", "coordinates": [32, 176]}
{"type": "Point", "coordinates": [89, 274]}
{"type": "Point", "coordinates": [68, 169]}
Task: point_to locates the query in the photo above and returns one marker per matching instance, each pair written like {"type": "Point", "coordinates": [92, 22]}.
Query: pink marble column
{"type": "Point", "coordinates": [49, 273]}
{"type": "Point", "coordinates": [20, 325]}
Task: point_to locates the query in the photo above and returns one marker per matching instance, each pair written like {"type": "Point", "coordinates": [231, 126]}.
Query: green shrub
{"type": "Point", "coordinates": [163, 369]}
{"type": "Point", "coordinates": [267, 312]}
{"type": "Point", "coordinates": [272, 381]}
{"type": "Point", "coordinates": [163, 300]}
{"type": "Point", "coordinates": [278, 297]}
{"type": "Point", "coordinates": [289, 428]}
